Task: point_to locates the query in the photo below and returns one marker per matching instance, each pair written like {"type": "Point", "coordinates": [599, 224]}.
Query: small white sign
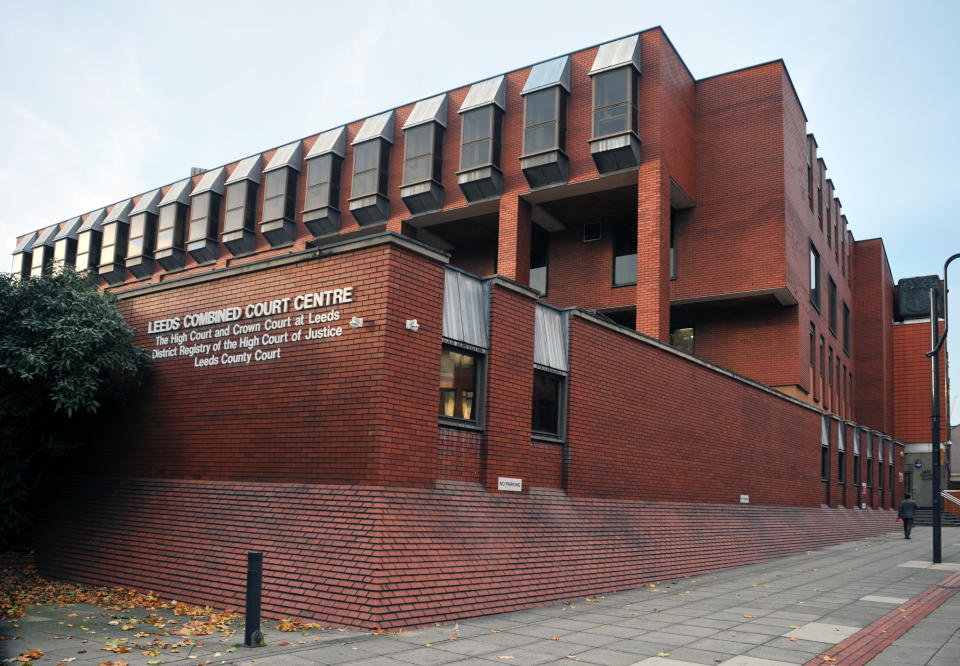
{"type": "Point", "coordinates": [506, 483]}
{"type": "Point", "coordinates": [744, 499]}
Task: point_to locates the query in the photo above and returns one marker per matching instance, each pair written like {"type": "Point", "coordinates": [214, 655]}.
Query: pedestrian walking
{"type": "Point", "coordinates": [907, 512]}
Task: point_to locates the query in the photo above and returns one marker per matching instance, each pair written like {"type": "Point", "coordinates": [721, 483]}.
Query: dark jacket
{"type": "Point", "coordinates": [908, 509]}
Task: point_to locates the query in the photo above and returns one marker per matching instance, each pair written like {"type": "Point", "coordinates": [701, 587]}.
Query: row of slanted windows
{"type": "Point", "coordinates": [828, 205]}
{"type": "Point", "coordinates": [882, 478]}
{"type": "Point", "coordinates": [830, 376]}
{"type": "Point", "coordinates": [182, 221]}
{"type": "Point", "coordinates": [833, 302]}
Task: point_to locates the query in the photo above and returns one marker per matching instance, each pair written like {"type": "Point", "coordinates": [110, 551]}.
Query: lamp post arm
{"type": "Point", "coordinates": [946, 320]}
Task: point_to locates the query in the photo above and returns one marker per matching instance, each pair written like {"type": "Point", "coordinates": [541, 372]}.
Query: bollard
{"type": "Point", "coordinates": [252, 636]}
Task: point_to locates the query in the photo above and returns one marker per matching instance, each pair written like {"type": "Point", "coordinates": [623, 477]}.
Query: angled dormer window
{"type": "Point", "coordinates": [42, 257]}
{"type": "Point", "coordinates": [422, 188]}
{"type": "Point", "coordinates": [113, 248]}
{"type": "Point", "coordinates": [205, 201]}
{"type": "Point", "coordinates": [278, 224]}
{"type": "Point", "coordinates": [371, 167]}
{"type": "Point", "coordinates": [481, 131]}
{"type": "Point", "coordinates": [89, 237]}
{"type": "Point", "coordinates": [23, 255]}
{"type": "Point", "coordinates": [324, 161]}
{"type": "Point", "coordinates": [65, 244]}
{"type": "Point", "coordinates": [143, 234]}
{"type": "Point", "coordinates": [239, 234]}
{"type": "Point", "coordinates": [544, 160]}
{"type": "Point", "coordinates": [616, 93]}
{"type": "Point", "coordinates": [171, 225]}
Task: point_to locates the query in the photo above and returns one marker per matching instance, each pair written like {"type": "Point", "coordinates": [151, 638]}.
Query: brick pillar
{"type": "Point", "coordinates": [513, 251]}
{"type": "Point", "coordinates": [653, 251]}
{"type": "Point", "coordinates": [507, 448]}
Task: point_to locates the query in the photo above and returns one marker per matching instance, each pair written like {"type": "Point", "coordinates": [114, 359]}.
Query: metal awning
{"type": "Point", "coordinates": [331, 141]}
{"type": "Point", "coordinates": [177, 193]}
{"type": "Point", "coordinates": [376, 127]}
{"type": "Point", "coordinates": [94, 221]}
{"type": "Point", "coordinates": [550, 339]}
{"type": "Point", "coordinates": [491, 91]}
{"type": "Point", "coordinates": [147, 203]}
{"type": "Point", "coordinates": [25, 244]}
{"type": "Point", "coordinates": [555, 72]}
{"type": "Point", "coordinates": [248, 169]}
{"type": "Point", "coordinates": [120, 212]}
{"type": "Point", "coordinates": [433, 110]}
{"type": "Point", "coordinates": [286, 156]}
{"type": "Point", "coordinates": [69, 229]}
{"type": "Point", "coordinates": [616, 54]}
{"type": "Point", "coordinates": [211, 181]}
{"type": "Point", "coordinates": [46, 236]}
{"type": "Point", "coordinates": [466, 306]}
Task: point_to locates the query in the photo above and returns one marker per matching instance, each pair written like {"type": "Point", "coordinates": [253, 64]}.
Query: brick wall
{"type": "Point", "coordinates": [873, 335]}
{"type": "Point", "coordinates": [913, 381]}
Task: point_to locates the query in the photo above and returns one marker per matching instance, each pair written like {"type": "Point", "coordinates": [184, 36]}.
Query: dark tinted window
{"type": "Point", "coordinates": [625, 253]}
{"type": "Point", "coordinates": [614, 102]}
{"type": "Point", "coordinates": [546, 402]}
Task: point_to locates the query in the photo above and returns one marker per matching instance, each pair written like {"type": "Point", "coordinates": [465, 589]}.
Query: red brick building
{"type": "Point", "coordinates": [657, 346]}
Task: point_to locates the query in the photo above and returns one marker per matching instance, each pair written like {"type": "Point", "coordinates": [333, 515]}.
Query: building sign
{"type": "Point", "coordinates": [240, 335]}
{"type": "Point", "coordinates": [506, 483]}
{"type": "Point", "coordinates": [744, 499]}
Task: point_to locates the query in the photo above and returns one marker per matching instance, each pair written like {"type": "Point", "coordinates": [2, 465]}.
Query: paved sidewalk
{"type": "Point", "coordinates": [847, 600]}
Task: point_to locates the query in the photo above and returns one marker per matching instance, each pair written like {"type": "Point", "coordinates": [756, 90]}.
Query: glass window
{"type": "Point", "coordinates": [241, 202]}
{"type": "Point", "coordinates": [625, 253]}
{"type": "Point", "coordinates": [821, 357]}
{"type": "Point", "coordinates": [547, 395]}
{"type": "Point", "coordinates": [539, 246]}
{"type": "Point", "coordinates": [369, 168]}
{"type": "Point", "coordinates": [673, 246]}
{"type": "Point", "coordinates": [204, 216]}
{"type": "Point", "coordinates": [820, 199]}
{"type": "Point", "coordinates": [615, 95]}
{"type": "Point", "coordinates": [810, 170]}
{"type": "Point", "coordinates": [323, 182]}
{"type": "Point", "coordinates": [814, 277]}
{"type": "Point", "coordinates": [458, 384]}
{"type": "Point", "coordinates": [830, 365]}
{"type": "Point", "coordinates": [813, 346]}
{"type": "Point", "coordinates": [480, 138]}
{"type": "Point", "coordinates": [544, 120]}
{"type": "Point", "coordinates": [832, 288]}
{"type": "Point", "coordinates": [846, 329]}
{"type": "Point", "coordinates": [279, 194]}
{"type": "Point", "coordinates": [170, 227]}
{"type": "Point", "coordinates": [825, 463]}
{"type": "Point", "coordinates": [422, 160]}
{"type": "Point", "coordinates": [682, 338]}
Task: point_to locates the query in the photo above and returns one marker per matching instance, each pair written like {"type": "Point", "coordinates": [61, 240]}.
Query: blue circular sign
{"type": "Point", "coordinates": [918, 464]}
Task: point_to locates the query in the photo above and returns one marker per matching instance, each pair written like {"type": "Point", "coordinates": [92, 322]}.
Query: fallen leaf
{"type": "Point", "coordinates": [793, 639]}
{"type": "Point", "coordinates": [72, 615]}
{"type": "Point", "coordinates": [428, 645]}
{"type": "Point", "coordinates": [554, 638]}
{"type": "Point", "coordinates": [505, 656]}
{"type": "Point", "coordinates": [794, 626]}
{"type": "Point", "coordinates": [749, 617]}
{"type": "Point", "coordinates": [283, 643]}
{"type": "Point", "coordinates": [663, 654]}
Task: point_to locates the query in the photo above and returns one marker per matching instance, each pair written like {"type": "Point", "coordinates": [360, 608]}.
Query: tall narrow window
{"type": "Point", "coordinates": [616, 93]}
{"type": "Point", "coordinates": [824, 449]}
{"type": "Point", "coordinates": [846, 328]}
{"type": "Point", "coordinates": [814, 277]}
{"type": "Point", "coordinates": [830, 366]}
{"type": "Point", "coordinates": [820, 197]}
{"type": "Point", "coordinates": [41, 262]}
{"type": "Point", "coordinates": [624, 253]}
{"type": "Point", "coordinates": [321, 205]}
{"type": "Point", "coordinates": [143, 235]}
{"type": "Point", "coordinates": [544, 160]}
{"type": "Point", "coordinates": [480, 138]}
{"type": "Point", "coordinates": [113, 249]}
{"type": "Point", "coordinates": [841, 452]}
{"type": "Point", "coordinates": [280, 177]}
{"type": "Point", "coordinates": [172, 226]}
{"type": "Point", "coordinates": [371, 168]}
{"type": "Point", "coordinates": [539, 248]}
{"type": "Point", "coordinates": [547, 395]}
{"type": "Point", "coordinates": [869, 460]}
{"type": "Point", "coordinates": [673, 244]}
{"type": "Point", "coordinates": [832, 304]}
{"type": "Point", "coordinates": [813, 346]}
{"type": "Point", "coordinates": [89, 238]}
{"type": "Point", "coordinates": [205, 202]}
{"type": "Point", "coordinates": [810, 169]}
{"type": "Point", "coordinates": [65, 245]}
{"type": "Point", "coordinates": [458, 384]}
{"type": "Point", "coordinates": [829, 207]}
{"type": "Point", "coordinates": [822, 364]}
{"type": "Point", "coordinates": [481, 127]}
{"type": "Point", "coordinates": [243, 185]}
{"type": "Point", "coordinates": [856, 458]}
{"type": "Point", "coordinates": [422, 188]}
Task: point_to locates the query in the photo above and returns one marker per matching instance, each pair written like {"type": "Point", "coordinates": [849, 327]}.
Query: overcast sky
{"type": "Point", "coordinates": [100, 101]}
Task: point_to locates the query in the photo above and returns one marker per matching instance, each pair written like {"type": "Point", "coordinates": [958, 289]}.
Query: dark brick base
{"type": "Point", "coordinates": [386, 557]}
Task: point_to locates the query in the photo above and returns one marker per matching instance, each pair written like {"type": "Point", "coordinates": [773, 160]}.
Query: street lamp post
{"type": "Point", "coordinates": [938, 340]}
